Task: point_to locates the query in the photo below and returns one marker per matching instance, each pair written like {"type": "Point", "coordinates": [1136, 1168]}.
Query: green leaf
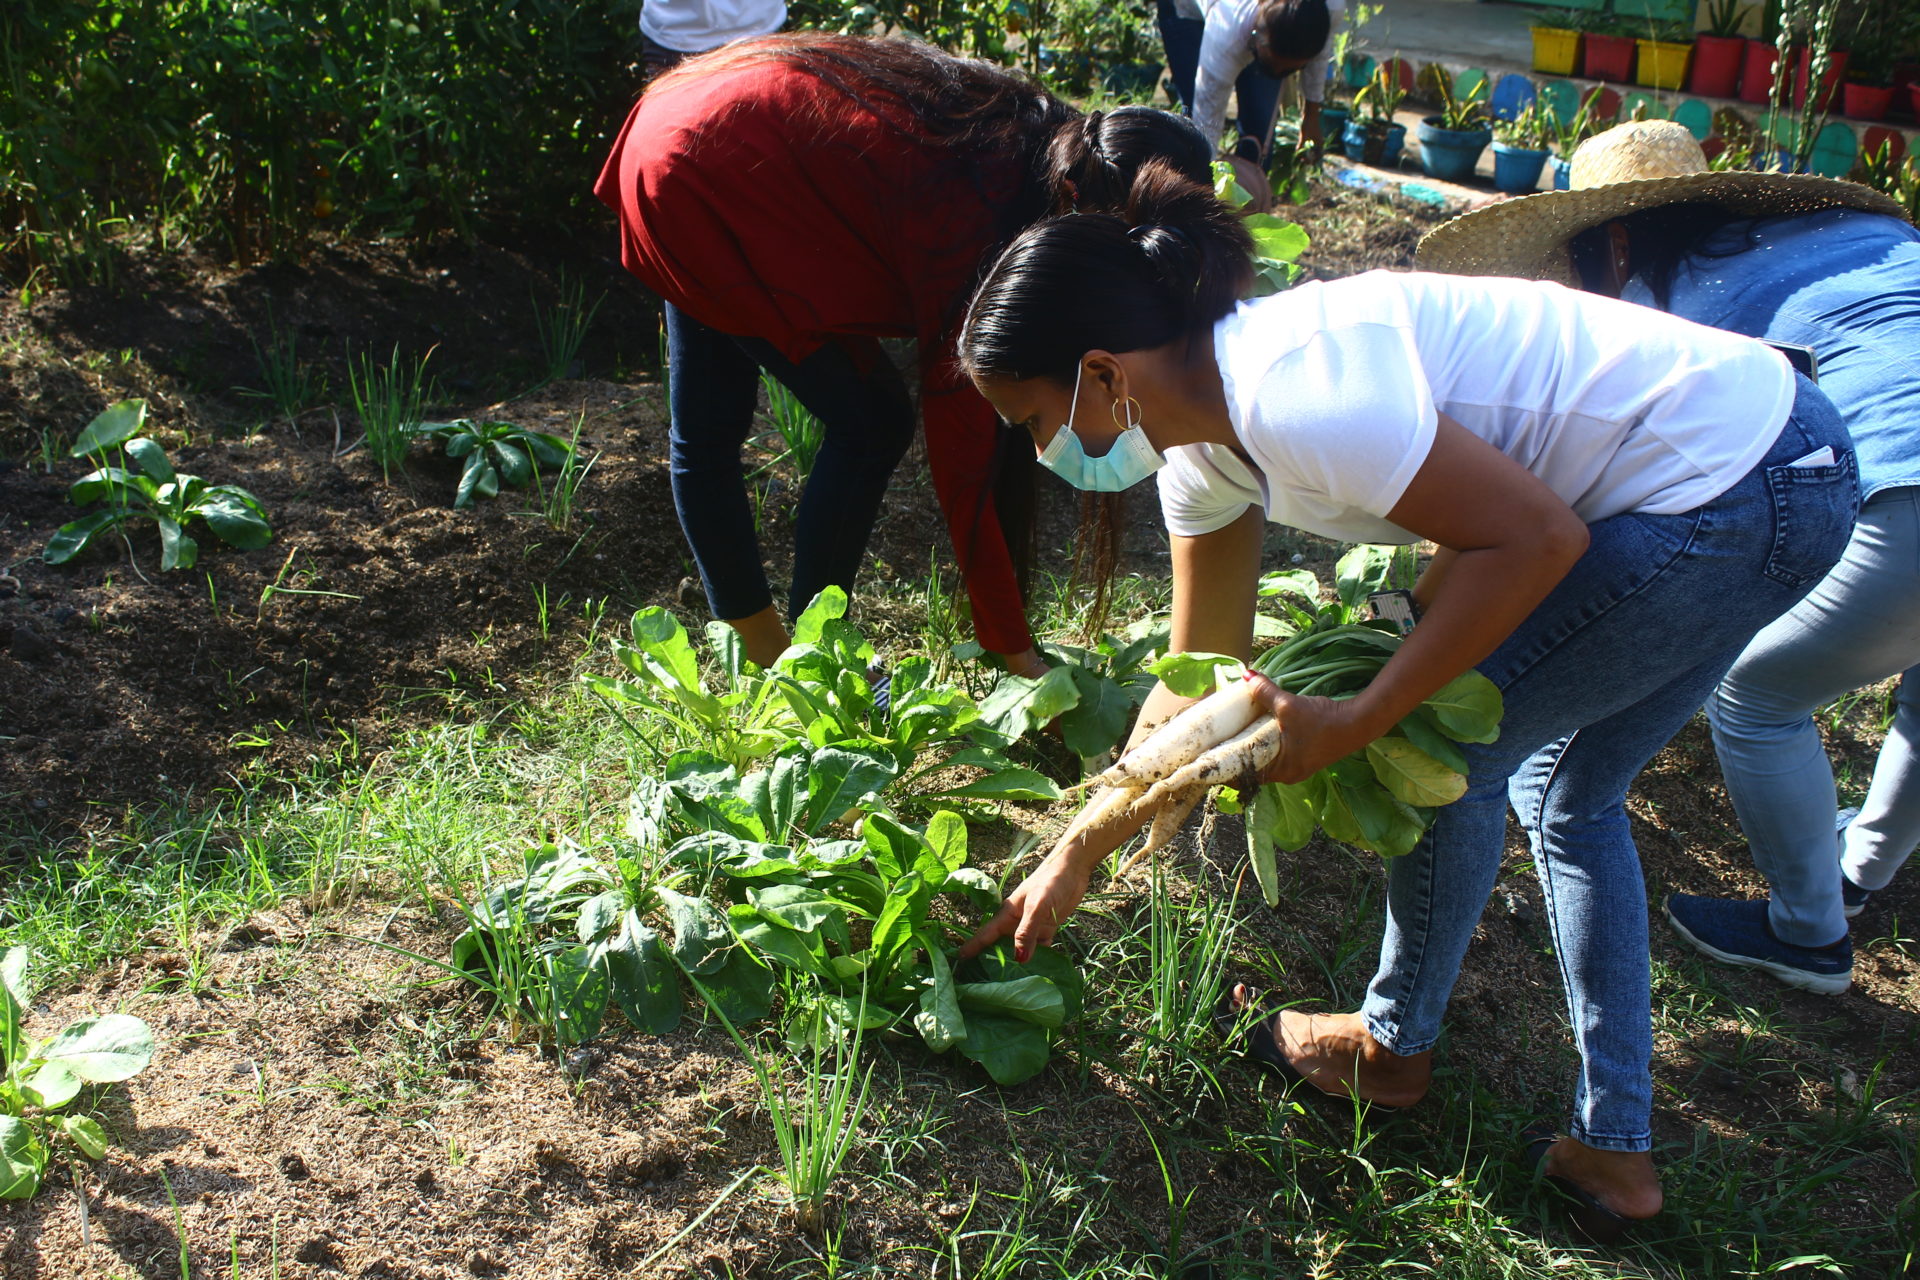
{"type": "Point", "coordinates": [1097, 722]}
{"type": "Point", "coordinates": [232, 520]}
{"type": "Point", "coordinates": [1276, 238]}
{"type": "Point", "coordinates": [939, 1022]}
{"type": "Point", "coordinates": [511, 461]}
{"type": "Point", "coordinates": [840, 778]}
{"type": "Point", "coordinates": [700, 937]}
{"type": "Point", "coordinates": [1011, 1050]}
{"type": "Point", "coordinates": [22, 1159]}
{"type": "Point", "coordinates": [1194, 675]}
{"type": "Point", "coordinates": [85, 1133]}
{"type": "Point", "coordinates": [1032, 998]}
{"type": "Point", "coordinates": [1468, 708]}
{"type": "Point", "coordinates": [115, 425]}
{"type": "Point", "coordinates": [743, 987]}
{"type": "Point", "coordinates": [14, 999]}
{"type": "Point", "coordinates": [895, 848]}
{"type": "Point", "coordinates": [1260, 828]}
{"type": "Point", "coordinates": [829, 605]}
{"type": "Point", "coordinates": [1421, 729]}
{"type": "Point", "coordinates": [797, 907]}
{"type": "Point", "coordinates": [114, 1046]}
{"type": "Point", "coordinates": [1017, 705]}
{"type": "Point", "coordinates": [641, 978]}
{"type": "Point", "coordinates": [1011, 783]}
{"type": "Point", "coordinates": [53, 1086]}
{"type": "Point", "coordinates": [177, 549]}
{"type": "Point", "coordinates": [947, 838]}
{"type": "Point", "coordinates": [151, 459]}
{"type": "Point", "coordinates": [1292, 582]}
{"type": "Point", "coordinates": [72, 538]}
{"type": "Point", "coordinates": [897, 921]}
{"type": "Point", "coordinates": [1412, 775]}
{"type": "Point", "coordinates": [979, 888]}
{"type": "Point", "coordinates": [579, 994]}
{"type": "Point", "coordinates": [1358, 574]}
{"type": "Point", "coordinates": [801, 951]}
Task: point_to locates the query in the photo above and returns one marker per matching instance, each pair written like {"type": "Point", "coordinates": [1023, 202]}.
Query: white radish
{"type": "Point", "coordinates": [1166, 825]}
{"type": "Point", "coordinates": [1214, 719]}
{"type": "Point", "coordinates": [1249, 751]}
{"type": "Point", "coordinates": [1107, 805]}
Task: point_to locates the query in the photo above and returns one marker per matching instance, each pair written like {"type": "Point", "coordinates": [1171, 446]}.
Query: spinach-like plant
{"type": "Point", "coordinates": [817, 692]}
{"type": "Point", "coordinates": [1277, 243]}
{"type": "Point", "coordinates": [855, 918]}
{"type": "Point", "coordinates": [136, 481]}
{"type": "Point", "coordinates": [496, 453]}
{"type": "Point", "coordinates": [39, 1080]}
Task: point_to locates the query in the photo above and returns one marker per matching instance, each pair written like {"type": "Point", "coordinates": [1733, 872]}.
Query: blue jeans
{"type": "Point", "coordinates": [861, 401]}
{"type": "Point", "coordinates": [1598, 678]}
{"type": "Point", "coordinates": [1859, 625]}
{"type": "Point", "coordinates": [1256, 91]}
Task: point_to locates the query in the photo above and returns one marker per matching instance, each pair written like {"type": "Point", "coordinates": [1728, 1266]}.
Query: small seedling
{"type": "Point", "coordinates": [154, 491]}
{"type": "Point", "coordinates": [563, 327]}
{"type": "Point", "coordinates": [388, 400]}
{"type": "Point", "coordinates": [43, 1078]}
{"type": "Point", "coordinates": [289, 385]}
{"type": "Point", "coordinates": [496, 453]}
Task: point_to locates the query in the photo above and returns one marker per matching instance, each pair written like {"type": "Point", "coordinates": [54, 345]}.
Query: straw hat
{"type": "Point", "coordinates": [1629, 167]}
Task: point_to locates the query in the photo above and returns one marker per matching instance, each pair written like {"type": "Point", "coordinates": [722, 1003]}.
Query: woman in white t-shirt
{"type": "Point", "coordinates": [1621, 500]}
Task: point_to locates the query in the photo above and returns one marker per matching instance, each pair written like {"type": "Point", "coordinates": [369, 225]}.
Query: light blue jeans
{"type": "Point", "coordinates": [1596, 680]}
{"type": "Point", "coordinates": [1860, 624]}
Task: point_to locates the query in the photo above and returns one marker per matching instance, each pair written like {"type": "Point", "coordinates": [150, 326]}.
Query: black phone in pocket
{"type": "Point", "coordinates": [1801, 358]}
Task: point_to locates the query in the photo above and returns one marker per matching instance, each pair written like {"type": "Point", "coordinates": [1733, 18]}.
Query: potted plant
{"type": "Point", "coordinates": [1663, 52]}
{"type": "Point", "coordinates": [1451, 142]}
{"type": "Point", "coordinates": [1556, 41]}
{"type": "Point", "coordinates": [1869, 93]}
{"type": "Point", "coordinates": [1718, 51]}
{"type": "Point", "coordinates": [1521, 147]}
{"type": "Point", "coordinates": [1568, 134]}
{"type": "Point", "coordinates": [1372, 135]}
{"type": "Point", "coordinates": [1609, 53]}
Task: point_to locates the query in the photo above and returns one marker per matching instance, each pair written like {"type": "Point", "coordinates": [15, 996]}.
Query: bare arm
{"type": "Point", "coordinates": [1215, 582]}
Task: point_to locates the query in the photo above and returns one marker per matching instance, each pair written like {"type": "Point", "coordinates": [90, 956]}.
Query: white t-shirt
{"type": "Point", "coordinates": [1334, 391]}
{"type": "Point", "coordinates": [695, 26]}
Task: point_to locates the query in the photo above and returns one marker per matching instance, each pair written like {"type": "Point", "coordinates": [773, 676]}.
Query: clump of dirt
{"type": "Point", "coordinates": [1354, 231]}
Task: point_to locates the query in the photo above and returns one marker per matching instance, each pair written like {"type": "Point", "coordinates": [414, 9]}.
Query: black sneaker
{"type": "Point", "coordinates": [1853, 899]}
{"type": "Point", "coordinates": [1737, 932]}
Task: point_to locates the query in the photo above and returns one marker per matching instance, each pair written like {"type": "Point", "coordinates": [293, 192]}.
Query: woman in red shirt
{"type": "Point", "coordinates": [794, 199]}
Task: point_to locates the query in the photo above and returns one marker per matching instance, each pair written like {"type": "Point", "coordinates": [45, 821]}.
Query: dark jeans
{"type": "Point", "coordinates": [860, 399]}
{"type": "Point", "coordinates": [1256, 93]}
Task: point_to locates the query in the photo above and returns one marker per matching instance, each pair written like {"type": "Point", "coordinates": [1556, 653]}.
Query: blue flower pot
{"type": "Point", "coordinates": [1384, 151]}
{"type": "Point", "coordinates": [1562, 174]}
{"type": "Point", "coordinates": [1333, 125]}
{"type": "Point", "coordinates": [1451, 154]}
{"type": "Point", "coordinates": [1516, 170]}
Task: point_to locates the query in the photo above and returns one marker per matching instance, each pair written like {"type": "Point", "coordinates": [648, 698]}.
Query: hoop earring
{"type": "Point", "coordinates": [1133, 413]}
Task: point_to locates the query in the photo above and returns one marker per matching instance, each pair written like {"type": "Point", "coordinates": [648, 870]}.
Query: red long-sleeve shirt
{"type": "Point", "coordinates": [766, 203]}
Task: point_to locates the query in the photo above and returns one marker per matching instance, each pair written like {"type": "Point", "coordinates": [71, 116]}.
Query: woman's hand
{"type": "Point", "coordinates": [1027, 662]}
{"type": "Point", "coordinates": [1315, 732]}
{"type": "Point", "coordinates": [1034, 912]}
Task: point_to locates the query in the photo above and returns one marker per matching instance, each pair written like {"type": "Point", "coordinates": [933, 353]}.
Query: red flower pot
{"type": "Point", "coordinates": [1829, 84]}
{"type": "Point", "coordinates": [1610, 58]}
{"type": "Point", "coordinates": [1913, 96]}
{"type": "Point", "coordinates": [1716, 65]}
{"type": "Point", "coordinates": [1866, 101]}
{"type": "Point", "coordinates": [1756, 75]}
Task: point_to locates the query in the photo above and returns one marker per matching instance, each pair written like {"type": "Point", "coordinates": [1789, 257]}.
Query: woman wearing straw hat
{"type": "Point", "coordinates": [1829, 266]}
{"type": "Point", "coordinates": [1591, 471]}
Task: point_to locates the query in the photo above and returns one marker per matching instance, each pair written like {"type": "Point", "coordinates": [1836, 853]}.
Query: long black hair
{"type": "Point", "coordinates": [1661, 240]}
{"type": "Point", "coordinates": [1174, 261]}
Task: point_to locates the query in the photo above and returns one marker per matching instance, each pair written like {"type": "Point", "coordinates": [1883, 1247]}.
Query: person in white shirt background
{"type": "Point", "coordinates": [671, 30]}
{"type": "Point", "coordinates": [1249, 48]}
{"type": "Point", "coordinates": [1621, 499]}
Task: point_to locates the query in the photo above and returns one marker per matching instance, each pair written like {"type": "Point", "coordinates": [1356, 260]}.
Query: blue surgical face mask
{"type": "Point", "coordinates": [1131, 459]}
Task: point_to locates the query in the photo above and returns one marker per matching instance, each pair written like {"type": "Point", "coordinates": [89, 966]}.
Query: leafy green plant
{"type": "Point", "coordinates": [41, 1079]}
{"type": "Point", "coordinates": [1381, 96]}
{"type": "Point", "coordinates": [818, 692]}
{"type": "Point", "coordinates": [1458, 113]}
{"type": "Point", "coordinates": [1277, 243]}
{"type": "Point", "coordinates": [134, 478]}
{"type": "Point", "coordinates": [388, 399]}
{"type": "Point", "coordinates": [287, 384]}
{"type": "Point", "coordinates": [801, 434]}
{"type": "Point", "coordinates": [1381, 798]}
{"type": "Point", "coordinates": [1568, 134]}
{"type": "Point", "coordinates": [1531, 129]}
{"type": "Point", "coordinates": [1725, 17]}
{"type": "Point", "coordinates": [495, 453]}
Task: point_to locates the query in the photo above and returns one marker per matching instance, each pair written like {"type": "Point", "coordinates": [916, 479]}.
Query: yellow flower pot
{"type": "Point", "coordinates": [1555, 50]}
{"type": "Point", "coordinates": [1661, 64]}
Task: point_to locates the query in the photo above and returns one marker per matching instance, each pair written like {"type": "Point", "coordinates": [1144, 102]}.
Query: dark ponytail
{"type": "Point", "coordinates": [1093, 161]}
{"type": "Point", "coordinates": [1172, 264]}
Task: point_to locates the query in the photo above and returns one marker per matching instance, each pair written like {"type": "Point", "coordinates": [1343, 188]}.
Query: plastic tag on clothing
{"type": "Point", "coordinates": [1821, 457]}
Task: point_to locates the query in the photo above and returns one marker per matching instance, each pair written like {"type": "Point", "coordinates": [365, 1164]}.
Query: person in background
{"type": "Point", "coordinates": [795, 199]}
{"type": "Point", "coordinates": [1591, 473]}
{"type": "Point", "coordinates": [1829, 266]}
{"type": "Point", "coordinates": [671, 30]}
{"type": "Point", "coordinates": [1249, 48]}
